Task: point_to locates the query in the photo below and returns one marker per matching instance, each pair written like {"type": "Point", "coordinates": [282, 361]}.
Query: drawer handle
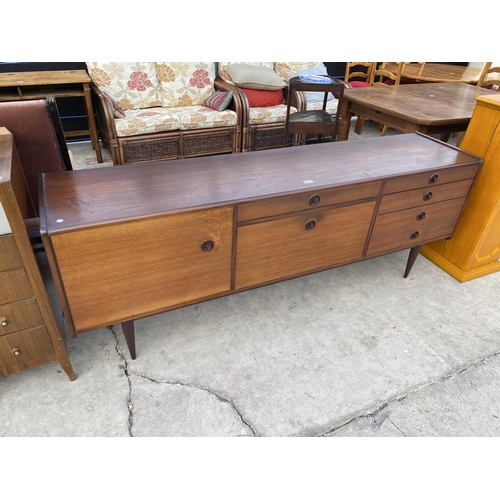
{"type": "Point", "coordinates": [310, 225]}
{"type": "Point", "coordinates": [414, 235]}
{"type": "Point", "coordinates": [427, 196]}
{"type": "Point", "coordinates": [434, 178]}
{"type": "Point", "coordinates": [314, 200]}
{"type": "Point", "coordinates": [16, 351]}
{"type": "Point", "coordinates": [421, 216]}
{"type": "Point", "coordinates": [207, 245]}
{"type": "Point", "coordinates": [4, 322]}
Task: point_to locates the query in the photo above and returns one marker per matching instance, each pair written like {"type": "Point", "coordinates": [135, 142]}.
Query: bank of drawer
{"type": "Point", "coordinates": [9, 256]}
{"type": "Point", "coordinates": [19, 315]}
{"type": "Point", "coordinates": [14, 286]}
{"type": "Point", "coordinates": [424, 196]}
{"type": "Point", "coordinates": [310, 200]}
{"type": "Point", "coordinates": [292, 245]}
{"type": "Point", "coordinates": [418, 216]}
{"type": "Point", "coordinates": [411, 237]}
{"type": "Point", "coordinates": [26, 349]}
{"type": "Point", "coordinates": [431, 179]}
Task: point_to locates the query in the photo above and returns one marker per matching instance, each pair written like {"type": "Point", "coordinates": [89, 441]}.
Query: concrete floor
{"type": "Point", "coordinates": [354, 351]}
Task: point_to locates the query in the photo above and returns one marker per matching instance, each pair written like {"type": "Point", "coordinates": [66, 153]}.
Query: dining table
{"type": "Point", "coordinates": [431, 108]}
{"type": "Point", "coordinates": [437, 72]}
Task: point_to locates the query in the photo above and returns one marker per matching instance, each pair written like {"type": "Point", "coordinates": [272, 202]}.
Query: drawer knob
{"type": "Point", "coordinates": [16, 351]}
{"type": "Point", "coordinates": [207, 245]}
{"type": "Point", "coordinates": [414, 235]}
{"type": "Point", "coordinates": [433, 178]}
{"type": "Point", "coordinates": [421, 216]}
{"type": "Point", "coordinates": [427, 196]}
{"type": "Point", "coordinates": [314, 200]}
{"type": "Point", "coordinates": [311, 224]}
{"type": "Point", "coordinates": [4, 322]}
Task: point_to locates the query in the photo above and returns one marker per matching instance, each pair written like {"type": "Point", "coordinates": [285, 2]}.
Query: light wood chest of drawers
{"type": "Point", "coordinates": [29, 335]}
{"type": "Point", "coordinates": [132, 241]}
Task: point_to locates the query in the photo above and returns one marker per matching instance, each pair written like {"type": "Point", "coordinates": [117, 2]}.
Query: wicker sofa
{"type": "Point", "coordinates": [150, 111]}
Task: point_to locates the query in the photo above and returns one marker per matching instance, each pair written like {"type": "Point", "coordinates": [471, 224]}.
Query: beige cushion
{"type": "Point", "coordinates": [222, 68]}
{"type": "Point", "coordinates": [282, 67]}
{"type": "Point", "coordinates": [255, 77]}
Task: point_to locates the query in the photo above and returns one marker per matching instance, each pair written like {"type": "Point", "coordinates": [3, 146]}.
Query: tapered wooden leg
{"type": "Point", "coordinates": [129, 334]}
{"type": "Point", "coordinates": [411, 259]}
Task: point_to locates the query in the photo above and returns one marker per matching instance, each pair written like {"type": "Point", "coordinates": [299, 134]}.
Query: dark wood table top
{"type": "Point", "coordinates": [434, 72]}
{"type": "Point", "coordinates": [423, 104]}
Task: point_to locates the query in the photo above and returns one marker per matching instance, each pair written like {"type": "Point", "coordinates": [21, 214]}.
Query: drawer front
{"type": "Point", "coordinates": [424, 196]}
{"type": "Point", "coordinates": [14, 286]}
{"type": "Point", "coordinates": [138, 268]}
{"type": "Point", "coordinates": [26, 349]}
{"type": "Point", "coordinates": [9, 256]}
{"type": "Point", "coordinates": [19, 316]}
{"type": "Point", "coordinates": [305, 201]}
{"type": "Point", "coordinates": [418, 216]}
{"type": "Point", "coordinates": [430, 179]}
{"type": "Point", "coordinates": [407, 238]}
{"type": "Point", "coordinates": [284, 247]}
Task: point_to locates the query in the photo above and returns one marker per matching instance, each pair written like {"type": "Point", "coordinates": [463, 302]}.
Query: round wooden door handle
{"type": "Point", "coordinates": [207, 245]}
{"type": "Point", "coordinates": [314, 200]}
{"type": "Point", "coordinates": [310, 225]}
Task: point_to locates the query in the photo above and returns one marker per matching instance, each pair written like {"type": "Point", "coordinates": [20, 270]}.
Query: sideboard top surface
{"type": "Point", "coordinates": [77, 199]}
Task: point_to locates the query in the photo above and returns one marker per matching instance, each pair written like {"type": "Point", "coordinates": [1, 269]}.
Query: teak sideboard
{"type": "Point", "coordinates": [136, 240]}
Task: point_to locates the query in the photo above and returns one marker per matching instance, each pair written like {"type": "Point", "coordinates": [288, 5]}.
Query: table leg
{"type": "Point", "coordinates": [91, 121]}
{"type": "Point", "coordinates": [411, 259]}
{"type": "Point", "coordinates": [129, 334]}
{"type": "Point", "coordinates": [345, 121]}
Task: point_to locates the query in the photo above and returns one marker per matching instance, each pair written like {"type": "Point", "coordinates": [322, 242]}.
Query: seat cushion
{"type": "Point", "coordinates": [133, 85]}
{"type": "Point", "coordinates": [185, 83]}
{"type": "Point", "coordinates": [146, 121]}
{"type": "Point", "coordinates": [198, 117]}
{"type": "Point", "coordinates": [271, 114]}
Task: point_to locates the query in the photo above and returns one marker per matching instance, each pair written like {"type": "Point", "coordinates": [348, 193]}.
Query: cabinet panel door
{"type": "Point", "coordinates": [126, 271]}
{"type": "Point", "coordinates": [317, 239]}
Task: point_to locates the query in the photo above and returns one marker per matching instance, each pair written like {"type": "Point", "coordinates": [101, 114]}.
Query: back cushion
{"type": "Point", "coordinates": [224, 65]}
{"type": "Point", "coordinates": [185, 83]}
{"type": "Point", "coordinates": [283, 67]}
{"type": "Point", "coordinates": [133, 85]}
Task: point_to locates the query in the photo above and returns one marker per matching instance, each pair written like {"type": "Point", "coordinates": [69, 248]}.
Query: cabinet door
{"type": "Point", "coordinates": [134, 269]}
{"type": "Point", "coordinates": [292, 245]}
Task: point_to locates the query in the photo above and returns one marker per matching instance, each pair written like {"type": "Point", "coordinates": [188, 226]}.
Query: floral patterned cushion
{"type": "Point", "coordinates": [271, 114]}
{"type": "Point", "coordinates": [331, 106]}
{"type": "Point", "coordinates": [185, 83]}
{"type": "Point", "coordinates": [196, 117]}
{"type": "Point", "coordinates": [147, 121]}
{"type": "Point", "coordinates": [283, 67]}
{"type": "Point", "coordinates": [133, 85]}
{"type": "Point", "coordinates": [224, 65]}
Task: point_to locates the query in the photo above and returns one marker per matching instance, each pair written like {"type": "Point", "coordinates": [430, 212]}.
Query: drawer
{"type": "Point", "coordinates": [14, 286]}
{"type": "Point", "coordinates": [9, 256]}
{"type": "Point", "coordinates": [305, 201]}
{"type": "Point", "coordinates": [428, 179]}
{"type": "Point", "coordinates": [411, 237]}
{"type": "Point", "coordinates": [20, 315]}
{"type": "Point", "coordinates": [424, 196]}
{"type": "Point", "coordinates": [288, 246]}
{"type": "Point", "coordinates": [26, 349]}
{"type": "Point", "coordinates": [418, 216]}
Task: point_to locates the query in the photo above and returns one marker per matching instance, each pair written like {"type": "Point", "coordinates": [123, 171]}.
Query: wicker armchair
{"type": "Point", "coordinates": [154, 111]}
{"type": "Point", "coordinates": [262, 127]}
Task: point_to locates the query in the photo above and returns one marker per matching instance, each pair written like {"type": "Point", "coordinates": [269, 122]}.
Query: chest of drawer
{"type": "Point", "coordinates": [430, 179]}
{"type": "Point", "coordinates": [19, 315]}
{"type": "Point", "coordinates": [292, 245]}
{"type": "Point", "coordinates": [307, 201]}
{"type": "Point", "coordinates": [14, 286]}
{"type": "Point", "coordinates": [417, 217]}
{"type": "Point", "coordinates": [26, 349]}
{"type": "Point", "coordinates": [424, 196]}
{"type": "Point", "coordinates": [9, 256]}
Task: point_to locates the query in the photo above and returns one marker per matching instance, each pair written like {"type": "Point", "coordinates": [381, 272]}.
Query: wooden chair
{"type": "Point", "coordinates": [39, 139]}
{"type": "Point", "coordinates": [486, 81]}
{"type": "Point", "coordinates": [358, 74]}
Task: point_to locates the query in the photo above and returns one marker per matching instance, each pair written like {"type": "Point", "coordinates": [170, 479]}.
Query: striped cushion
{"type": "Point", "coordinates": [218, 100]}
